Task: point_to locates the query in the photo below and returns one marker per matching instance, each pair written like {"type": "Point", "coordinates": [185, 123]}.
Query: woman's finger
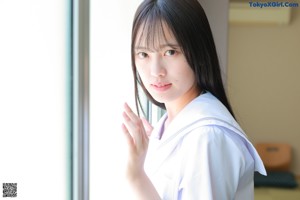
{"type": "Point", "coordinates": [130, 113]}
{"type": "Point", "coordinates": [128, 137]}
{"type": "Point", "coordinates": [148, 126]}
{"type": "Point", "coordinates": [135, 127]}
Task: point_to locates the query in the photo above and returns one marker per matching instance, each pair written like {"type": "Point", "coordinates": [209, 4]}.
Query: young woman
{"type": "Point", "coordinates": [197, 150]}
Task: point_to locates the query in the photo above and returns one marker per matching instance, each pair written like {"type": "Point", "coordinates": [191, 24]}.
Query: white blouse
{"type": "Point", "coordinates": [202, 154]}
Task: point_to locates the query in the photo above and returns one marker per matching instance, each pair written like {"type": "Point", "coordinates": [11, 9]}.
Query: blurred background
{"type": "Point", "coordinates": [263, 81]}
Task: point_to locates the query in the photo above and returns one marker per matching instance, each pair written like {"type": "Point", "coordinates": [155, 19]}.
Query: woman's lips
{"type": "Point", "coordinates": [161, 87]}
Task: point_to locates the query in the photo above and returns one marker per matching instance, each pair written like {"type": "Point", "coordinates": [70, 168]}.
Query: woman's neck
{"type": "Point", "coordinates": [174, 107]}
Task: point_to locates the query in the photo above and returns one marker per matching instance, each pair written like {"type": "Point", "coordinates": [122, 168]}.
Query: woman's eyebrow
{"type": "Point", "coordinates": [141, 48]}
{"type": "Point", "coordinates": [172, 45]}
{"type": "Point", "coordinates": [162, 46]}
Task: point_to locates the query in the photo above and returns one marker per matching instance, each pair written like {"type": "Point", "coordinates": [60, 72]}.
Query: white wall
{"type": "Point", "coordinates": [217, 13]}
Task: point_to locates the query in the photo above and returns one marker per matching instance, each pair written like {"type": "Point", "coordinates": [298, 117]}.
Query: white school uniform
{"type": "Point", "coordinates": [202, 154]}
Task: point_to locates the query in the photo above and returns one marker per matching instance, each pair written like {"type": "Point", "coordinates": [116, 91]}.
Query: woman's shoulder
{"type": "Point", "coordinates": [213, 140]}
{"type": "Point", "coordinates": [214, 146]}
{"type": "Point", "coordinates": [214, 135]}
{"type": "Point", "coordinates": [206, 109]}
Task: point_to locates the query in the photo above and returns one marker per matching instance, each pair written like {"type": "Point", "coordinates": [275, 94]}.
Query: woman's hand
{"type": "Point", "coordinates": [148, 126]}
{"type": "Point", "coordinates": [136, 131]}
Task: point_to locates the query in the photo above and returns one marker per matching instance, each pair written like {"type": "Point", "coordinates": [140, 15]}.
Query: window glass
{"type": "Point", "coordinates": [34, 108]}
{"type": "Point", "coordinates": [111, 84]}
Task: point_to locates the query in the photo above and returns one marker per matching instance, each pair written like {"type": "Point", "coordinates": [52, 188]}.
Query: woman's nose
{"type": "Point", "coordinates": [157, 68]}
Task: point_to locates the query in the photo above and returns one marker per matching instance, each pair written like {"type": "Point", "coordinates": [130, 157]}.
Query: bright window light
{"type": "Point", "coordinates": [111, 84]}
{"type": "Point", "coordinates": [33, 102]}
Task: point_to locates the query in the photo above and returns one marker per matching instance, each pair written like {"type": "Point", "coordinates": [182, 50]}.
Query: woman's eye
{"type": "Point", "coordinates": [142, 55]}
{"type": "Point", "coordinates": [170, 52]}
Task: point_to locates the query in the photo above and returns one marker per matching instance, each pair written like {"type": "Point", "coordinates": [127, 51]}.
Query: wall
{"type": "Point", "coordinates": [264, 82]}
{"type": "Point", "coordinates": [219, 27]}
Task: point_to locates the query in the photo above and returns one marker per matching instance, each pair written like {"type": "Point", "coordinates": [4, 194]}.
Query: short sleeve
{"type": "Point", "coordinates": [212, 164]}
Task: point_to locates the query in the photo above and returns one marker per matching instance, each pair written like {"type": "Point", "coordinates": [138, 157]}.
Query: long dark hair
{"type": "Point", "coordinates": [187, 21]}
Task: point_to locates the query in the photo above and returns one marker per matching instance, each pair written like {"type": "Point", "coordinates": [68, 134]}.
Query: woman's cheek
{"type": "Point", "coordinates": [143, 74]}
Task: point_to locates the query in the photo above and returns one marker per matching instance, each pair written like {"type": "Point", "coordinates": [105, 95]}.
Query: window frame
{"type": "Point", "coordinates": [80, 95]}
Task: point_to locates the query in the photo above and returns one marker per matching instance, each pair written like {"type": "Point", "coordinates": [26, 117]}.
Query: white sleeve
{"type": "Point", "coordinates": [212, 165]}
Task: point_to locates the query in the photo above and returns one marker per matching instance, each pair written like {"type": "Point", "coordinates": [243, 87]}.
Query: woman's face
{"type": "Point", "coordinates": [164, 70]}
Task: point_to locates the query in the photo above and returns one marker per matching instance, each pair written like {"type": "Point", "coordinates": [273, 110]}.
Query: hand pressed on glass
{"type": "Point", "coordinates": [137, 138]}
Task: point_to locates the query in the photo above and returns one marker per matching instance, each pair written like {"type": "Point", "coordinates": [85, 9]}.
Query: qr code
{"type": "Point", "coordinates": [9, 189]}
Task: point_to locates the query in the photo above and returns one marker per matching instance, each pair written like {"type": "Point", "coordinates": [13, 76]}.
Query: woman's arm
{"type": "Point", "coordinates": [143, 188]}
{"type": "Point", "coordinates": [137, 139]}
{"type": "Point", "coordinates": [212, 164]}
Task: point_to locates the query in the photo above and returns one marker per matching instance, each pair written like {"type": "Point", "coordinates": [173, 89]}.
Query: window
{"type": "Point", "coordinates": [111, 84]}
{"type": "Point", "coordinates": [35, 98]}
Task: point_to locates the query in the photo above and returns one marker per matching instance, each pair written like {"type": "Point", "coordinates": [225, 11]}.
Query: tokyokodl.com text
{"type": "Point", "coordinates": [272, 4]}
